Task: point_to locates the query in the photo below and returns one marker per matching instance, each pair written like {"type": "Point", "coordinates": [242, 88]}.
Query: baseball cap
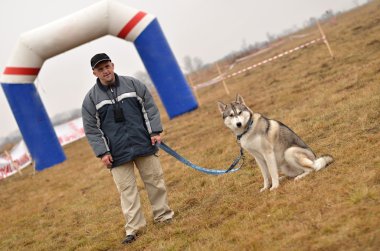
{"type": "Point", "coordinates": [100, 57]}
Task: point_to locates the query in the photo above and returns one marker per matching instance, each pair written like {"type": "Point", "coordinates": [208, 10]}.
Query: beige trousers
{"type": "Point", "coordinates": [151, 173]}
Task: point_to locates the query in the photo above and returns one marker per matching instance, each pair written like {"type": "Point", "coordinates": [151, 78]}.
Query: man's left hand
{"type": "Point", "coordinates": [155, 139]}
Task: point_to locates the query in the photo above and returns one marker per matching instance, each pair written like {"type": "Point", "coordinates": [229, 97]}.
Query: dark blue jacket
{"type": "Point", "coordinates": [124, 140]}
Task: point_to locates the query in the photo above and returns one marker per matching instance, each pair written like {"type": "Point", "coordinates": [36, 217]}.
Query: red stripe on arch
{"type": "Point", "coordinates": [21, 71]}
{"type": "Point", "coordinates": [131, 24]}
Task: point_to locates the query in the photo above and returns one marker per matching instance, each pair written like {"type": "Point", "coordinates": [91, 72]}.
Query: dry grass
{"type": "Point", "coordinates": [334, 105]}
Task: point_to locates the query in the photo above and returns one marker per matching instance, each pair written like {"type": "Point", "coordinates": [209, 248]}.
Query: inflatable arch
{"type": "Point", "coordinates": [104, 18]}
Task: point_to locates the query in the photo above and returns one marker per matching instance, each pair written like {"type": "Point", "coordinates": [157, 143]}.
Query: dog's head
{"type": "Point", "coordinates": [236, 115]}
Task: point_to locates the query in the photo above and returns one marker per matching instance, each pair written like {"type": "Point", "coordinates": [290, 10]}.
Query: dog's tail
{"type": "Point", "coordinates": [323, 161]}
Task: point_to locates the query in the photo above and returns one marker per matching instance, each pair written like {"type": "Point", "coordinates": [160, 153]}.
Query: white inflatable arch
{"type": "Point", "coordinates": [107, 17]}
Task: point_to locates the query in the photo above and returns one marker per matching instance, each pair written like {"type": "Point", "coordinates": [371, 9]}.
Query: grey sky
{"type": "Point", "coordinates": [206, 29]}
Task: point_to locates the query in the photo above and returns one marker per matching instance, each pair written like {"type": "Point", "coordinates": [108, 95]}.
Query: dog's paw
{"type": "Point", "coordinates": [266, 186]}
{"type": "Point", "coordinates": [263, 189]}
{"type": "Point", "coordinates": [273, 187]}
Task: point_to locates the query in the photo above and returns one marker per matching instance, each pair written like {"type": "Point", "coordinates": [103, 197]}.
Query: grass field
{"type": "Point", "coordinates": [333, 104]}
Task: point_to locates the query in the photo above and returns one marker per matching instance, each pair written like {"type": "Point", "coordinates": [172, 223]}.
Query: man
{"type": "Point", "coordinates": [122, 125]}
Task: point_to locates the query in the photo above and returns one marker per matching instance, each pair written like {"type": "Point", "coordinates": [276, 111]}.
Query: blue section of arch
{"type": "Point", "coordinates": [159, 60]}
{"type": "Point", "coordinates": [34, 124]}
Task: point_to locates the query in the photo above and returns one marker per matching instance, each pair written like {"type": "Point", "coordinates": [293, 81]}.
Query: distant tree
{"type": "Point", "coordinates": [244, 46]}
{"type": "Point", "coordinates": [6, 143]}
{"type": "Point", "coordinates": [270, 37]}
{"type": "Point", "coordinates": [144, 78]}
{"type": "Point", "coordinates": [231, 57]}
{"type": "Point", "coordinates": [188, 64]}
{"type": "Point", "coordinates": [198, 63]}
{"type": "Point", "coordinates": [310, 22]}
{"type": "Point", "coordinates": [288, 31]}
{"type": "Point", "coordinates": [258, 45]}
{"type": "Point", "coordinates": [327, 15]}
{"type": "Point", "coordinates": [192, 64]}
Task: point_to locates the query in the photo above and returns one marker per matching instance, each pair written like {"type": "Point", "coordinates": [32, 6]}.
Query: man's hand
{"type": "Point", "coordinates": [155, 139]}
{"type": "Point", "coordinates": [107, 160]}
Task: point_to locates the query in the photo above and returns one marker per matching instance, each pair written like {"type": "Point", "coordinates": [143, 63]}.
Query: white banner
{"type": "Point", "coordinates": [19, 157]}
{"type": "Point", "coordinates": [70, 131]}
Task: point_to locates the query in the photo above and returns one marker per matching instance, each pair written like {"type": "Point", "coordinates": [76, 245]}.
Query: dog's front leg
{"type": "Point", "coordinates": [273, 170]}
{"type": "Point", "coordinates": [264, 172]}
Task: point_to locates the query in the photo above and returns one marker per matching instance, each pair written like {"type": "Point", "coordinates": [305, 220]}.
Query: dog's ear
{"type": "Point", "coordinates": [239, 99]}
{"type": "Point", "coordinates": [222, 107]}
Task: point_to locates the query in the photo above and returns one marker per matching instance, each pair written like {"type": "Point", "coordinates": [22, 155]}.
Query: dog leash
{"type": "Point", "coordinates": [231, 169]}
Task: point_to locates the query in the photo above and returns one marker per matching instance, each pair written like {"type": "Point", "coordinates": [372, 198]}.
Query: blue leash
{"type": "Point", "coordinates": [231, 169]}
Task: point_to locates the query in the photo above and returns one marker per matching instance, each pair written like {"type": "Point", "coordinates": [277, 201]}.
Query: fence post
{"type": "Point", "coordinates": [223, 81]}
{"type": "Point", "coordinates": [325, 39]}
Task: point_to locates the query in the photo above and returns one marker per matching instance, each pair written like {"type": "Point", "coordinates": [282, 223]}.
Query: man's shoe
{"type": "Point", "coordinates": [129, 239]}
{"type": "Point", "coordinates": [168, 221]}
{"type": "Point", "coordinates": [164, 222]}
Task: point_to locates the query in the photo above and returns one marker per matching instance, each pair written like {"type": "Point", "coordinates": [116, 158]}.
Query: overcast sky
{"type": "Point", "coordinates": [207, 29]}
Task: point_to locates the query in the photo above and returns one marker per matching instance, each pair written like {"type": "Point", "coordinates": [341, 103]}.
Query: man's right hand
{"type": "Point", "coordinates": [107, 160]}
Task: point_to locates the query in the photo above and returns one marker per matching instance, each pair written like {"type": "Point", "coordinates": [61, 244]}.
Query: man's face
{"type": "Point", "coordinates": [104, 71]}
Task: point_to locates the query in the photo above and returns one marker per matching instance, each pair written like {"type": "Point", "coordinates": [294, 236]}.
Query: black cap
{"type": "Point", "coordinates": [99, 58]}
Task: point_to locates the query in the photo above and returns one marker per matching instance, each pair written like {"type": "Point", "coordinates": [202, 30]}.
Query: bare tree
{"type": "Point", "coordinates": [144, 78]}
{"type": "Point", "coordinates": [244, 46]}
{"type": "Point", "coordinates": [198, 63]}
{"type": "Point", "coordinates": [327, 15]}
{"type": "Point", "coordinates": [188, 64]}
{"type": "Point", "coordinates": [310, 22]}
{"type": "Point", "coordinates": [270, 37]}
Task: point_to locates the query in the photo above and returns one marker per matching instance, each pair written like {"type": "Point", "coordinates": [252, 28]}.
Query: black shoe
{"type": "Point", "coordinates": [129, 239]}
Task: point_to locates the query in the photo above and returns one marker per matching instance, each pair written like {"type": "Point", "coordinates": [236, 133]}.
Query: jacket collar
{"type": "Point", "coordinates": [105, 87]}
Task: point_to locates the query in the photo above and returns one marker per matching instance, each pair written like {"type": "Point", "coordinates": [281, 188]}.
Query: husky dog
{"type": "Point", "coordinates": [275, 147]}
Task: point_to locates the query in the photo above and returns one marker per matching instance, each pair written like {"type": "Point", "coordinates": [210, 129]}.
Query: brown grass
{"type": "Point", "coordinates": [334, 105]}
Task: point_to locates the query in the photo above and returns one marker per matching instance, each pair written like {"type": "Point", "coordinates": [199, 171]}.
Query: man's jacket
{"type": "Point", "coordinates": [130, 138]}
